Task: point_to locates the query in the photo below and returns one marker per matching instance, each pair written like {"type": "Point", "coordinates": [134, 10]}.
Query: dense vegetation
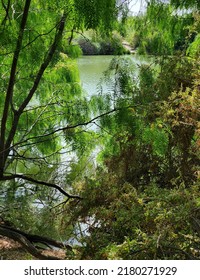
{"type": "Point", "coordinates": [144, 198]}
{"type": "Point", "coordinates": [163, 30]}
{"type": "Point", "coordinates": [95, 44]}
{"type": "Point", "coordinates": [140, 199]}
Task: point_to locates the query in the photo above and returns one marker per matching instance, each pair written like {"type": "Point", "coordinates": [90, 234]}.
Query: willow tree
{"type": "Point", "coordinates": [42, 109]}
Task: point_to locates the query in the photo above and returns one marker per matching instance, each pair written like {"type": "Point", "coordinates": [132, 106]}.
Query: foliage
{"type": "Point", "coordinates": [101, 45]}
{"type": "Point", "coordinates": [42, 107]}
{"type": "Point", "coordinates": [139, 224]}
{"type": "Point", "coordinates": [194, 4]}
{"type": "Point", "coordinates": [193, 49]}
{"type": "Point", "coordinates": [139, 198]}
{"type": "Point", "coordinates": [73, 51]}
{"type": "Point", "coordinates": [147, 180]}
{"type": "Point", "coordinates": [94, 14]}
{"type": "Point", "coordinates": [164, 34]}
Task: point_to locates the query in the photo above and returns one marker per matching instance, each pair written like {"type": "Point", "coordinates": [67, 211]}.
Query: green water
{"type": "Point", "coordinates": [91, 69]}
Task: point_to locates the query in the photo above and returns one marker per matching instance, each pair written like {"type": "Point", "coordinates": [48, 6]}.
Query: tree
{"type": "Point", "coordinates": [42, 108]}
{"type": "Point", "coordinates": [143, 200]}
{"type": "Point", "coordinates": [147, 180]}
{"type": "Point", "coordinates": [148, 126]}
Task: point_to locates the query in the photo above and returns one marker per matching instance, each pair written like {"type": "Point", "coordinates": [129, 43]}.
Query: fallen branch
{"type": "Point", "coordinates": [27, 241]}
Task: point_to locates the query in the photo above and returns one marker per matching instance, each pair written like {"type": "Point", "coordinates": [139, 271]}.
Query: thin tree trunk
{"type": "Point", "coordinates": [11, 83]}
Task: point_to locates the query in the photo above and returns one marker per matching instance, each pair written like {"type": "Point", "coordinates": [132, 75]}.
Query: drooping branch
{"type": "Point", "coordinates": [68, 127]}
{"type": "Point", "coordinates": [39, 36]}
{"type": "Point", "coordinates": [35, 181]}
{"type": "Point", "coordinates": [62, 129]}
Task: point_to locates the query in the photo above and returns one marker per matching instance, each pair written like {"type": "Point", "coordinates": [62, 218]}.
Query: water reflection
{"type": "Point", "coordinates": [91, 69]}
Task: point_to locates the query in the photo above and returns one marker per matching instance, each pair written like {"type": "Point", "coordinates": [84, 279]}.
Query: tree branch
{"type": "Point", "coordinates": [39, 75]}
{"type": "Point", "coordinates": [11, 83]}
{"type": "Point", "coordinates": [45, 64]}
{"type": "Point", "coordinates": [35, 181]}
{"type": "Point", "coordinates": [23, 239]}
{"type": "Point", "coordinates": [6, 8]}
{"type": "Point", "coordinates": [33, 238]}
{"type": "Point", "coordinates": [188, 256]}
{"type": "Point", "coordinates": [67, 127]}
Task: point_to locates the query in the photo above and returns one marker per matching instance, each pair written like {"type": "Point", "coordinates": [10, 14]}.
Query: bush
{"type": "Point", "coordinates": [73, 51]}
{"type": "Point", "coordinates": [87, 47]}
{"type": "Point", "coordinates": [102, 46]}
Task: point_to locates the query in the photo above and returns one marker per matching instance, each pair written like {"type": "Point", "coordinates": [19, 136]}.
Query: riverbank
{"type": "Point", "coordinates": [128, 47]}
{"type": "Point", "coordinates": [11, 250]}
{"type": "Point", "coordinates": [106, 46]}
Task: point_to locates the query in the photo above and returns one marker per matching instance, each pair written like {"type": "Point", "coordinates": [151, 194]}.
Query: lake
{"type": "Point", "coordinates": [91, 69]}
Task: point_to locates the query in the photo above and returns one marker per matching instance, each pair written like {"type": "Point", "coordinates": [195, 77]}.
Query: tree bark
{"type": "Point", "coordinates": [19, 112]}
{"type": "Point", "coordinates": [11, 83]}
{"type": "Point", "coordinates": [27, 241]}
